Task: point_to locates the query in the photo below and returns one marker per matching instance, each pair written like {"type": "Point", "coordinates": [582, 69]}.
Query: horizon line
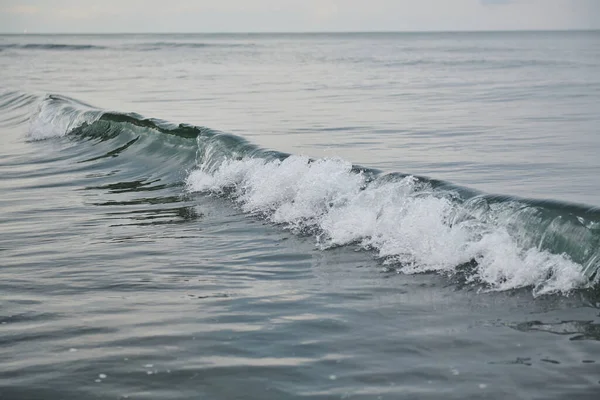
{"type": "Point", "coordinates": [305, 32]}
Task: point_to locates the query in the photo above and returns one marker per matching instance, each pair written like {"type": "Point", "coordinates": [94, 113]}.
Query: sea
{"type": "Point", "coordinates": [300, 216]}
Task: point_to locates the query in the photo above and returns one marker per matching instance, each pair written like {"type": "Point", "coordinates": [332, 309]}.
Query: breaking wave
{"type": "Point", "coordinates": [412, 224]}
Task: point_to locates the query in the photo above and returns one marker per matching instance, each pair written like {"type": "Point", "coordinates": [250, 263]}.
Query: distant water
{"type": "Point", "coordinates": [300, 216]}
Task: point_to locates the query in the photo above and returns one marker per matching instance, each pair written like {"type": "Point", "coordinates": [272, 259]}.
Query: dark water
{"type": "Point", "coordinates": [312, 216]}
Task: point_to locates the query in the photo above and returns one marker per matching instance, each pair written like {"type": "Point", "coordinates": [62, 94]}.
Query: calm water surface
{"type": "Point", "coordinates": [300, 216]}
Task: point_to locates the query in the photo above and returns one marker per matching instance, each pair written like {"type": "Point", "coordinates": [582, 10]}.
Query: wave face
{"type": "Point", "coordinates": [413, 224]}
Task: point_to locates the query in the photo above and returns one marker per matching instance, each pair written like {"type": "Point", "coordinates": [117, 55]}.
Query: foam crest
{"type": "Point", "coordinates": [406, 222]}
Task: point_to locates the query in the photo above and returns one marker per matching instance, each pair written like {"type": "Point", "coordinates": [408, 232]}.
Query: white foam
{"type": "Point", "coordinates": [403, 220]}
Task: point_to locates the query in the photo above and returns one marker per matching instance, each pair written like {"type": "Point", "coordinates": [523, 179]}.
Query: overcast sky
{"type": "Point", "coordinates": [294, 15]}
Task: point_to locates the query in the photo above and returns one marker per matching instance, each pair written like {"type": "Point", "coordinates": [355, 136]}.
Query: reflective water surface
{"type": "Point", "coordinates": [125, 273]}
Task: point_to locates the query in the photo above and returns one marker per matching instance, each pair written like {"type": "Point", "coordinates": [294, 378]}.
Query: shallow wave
{"type": "Point", "coordinates": [51, 46]}
{"type": "Point", "coordinates": [145, 46]}
{"type": "Point", "coordinates": [413, 224]}
{"type": "Point", "coordinates": [188, 45]}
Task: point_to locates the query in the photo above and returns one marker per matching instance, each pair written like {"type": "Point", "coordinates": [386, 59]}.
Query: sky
{"type": "Point", "coordinates": [121, 16]}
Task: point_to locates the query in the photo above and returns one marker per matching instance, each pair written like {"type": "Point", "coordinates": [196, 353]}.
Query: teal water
{"type": "Point", "coordinates": [300, 216]}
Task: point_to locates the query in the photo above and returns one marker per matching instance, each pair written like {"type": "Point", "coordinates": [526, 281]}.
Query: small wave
{"type": "Point", "coordinates": [13, 100]}
{"type": "Point", "coordinates": [51, 46]}
{"type": "Point", "coordinates": [15, 107]}
{"type": "Point", "coordinates": [188, 45]}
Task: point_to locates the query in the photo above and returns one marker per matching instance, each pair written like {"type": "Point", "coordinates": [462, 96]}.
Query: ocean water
{"type": "Point", "coordinates": [316, 216]}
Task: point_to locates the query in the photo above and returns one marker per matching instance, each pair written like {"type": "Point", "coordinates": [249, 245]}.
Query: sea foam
{"type": "Point", "coordinates": [405, 221]}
